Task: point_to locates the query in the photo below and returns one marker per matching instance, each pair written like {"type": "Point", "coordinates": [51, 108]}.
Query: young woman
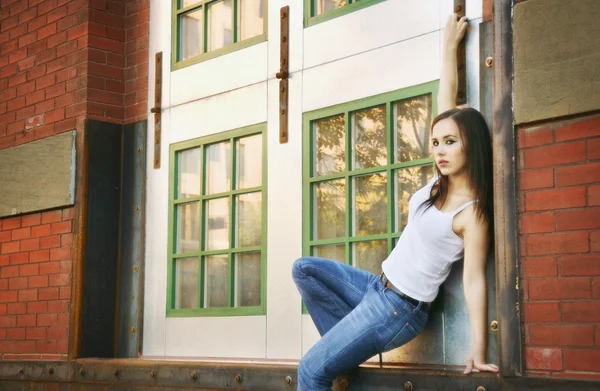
{"type": "Point", "coordinates": [360, 314]}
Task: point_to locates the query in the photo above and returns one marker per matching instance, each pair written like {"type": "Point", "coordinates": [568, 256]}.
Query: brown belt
{"type": "Point", "coordinates": [424, 305]}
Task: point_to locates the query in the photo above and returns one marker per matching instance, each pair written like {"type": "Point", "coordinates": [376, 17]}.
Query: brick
{"type": "Point", "coordinates": [26, 40]}
{"type": "Point", "coordinates": [579, 265]}
{"type": "Point", "coordinates": [10, 247]}
{"type": "Point", "coordinates": [578, 174]}
{"type": "Point", "coordinates": [39, 256]}
{"type": "Point", "coordinates": [37, 307]}
{"type": "Point", "coordinates": [11, 223]}
{"type": "Point", "coordinates": [32, 99]}
{"type": "Point", "coordinates": [32, 50]}
{"type": "Point", "coordinates": [4, 261]}
{"type": "Point", "coordinates": [58, 306]}
{"type": "Point", "coordinates": [40, 230]}
{"type": "Point", "coordinates": [17, 308]}
{"type": "Point", "coordinates": [9, 271]}
{"type": "Point", "coordinates": [44, 106]}
{"type": "Point", "coordinates": [50, 267]}
{"type": "Point", "coordinates": [543, 358]}
{"type": "Point", "coordinates": [28, 295]}
{"type": "Point", "coordinates": [66, 266]}
{"type": "Point", "coordinates": [561, 335]}
{"type": "Point", "coordinates": [582, 360]}
{"type": "Point", "coordinates": [66, 125]}
{"type": "Point", "coordinates": [35, 333]}
{"type": "Point", "coordinates": [38, 282]}
{"type": "Point", "coordinates": [596, 288]}
{"type": "Point", "coordinates": [21, 233]}
{"type": "Point", "coordinates": [8, 296]}
{"type": "Point", "coordinates": [593, 149]}
{"type": "Point", "coordinates": [30, 244]}
{"type": "Point", "coordinates": [560, 288]}
{"type": "Point", "coordinates": [65, 293]}
{"type": "Point", "coordinates": [587, 218]}
{"type": "Point", "coordinates": [537, 223]}
{"type": "Point", "coordinates": [8, 321]}
{"type": "Point", "coordinates": [580, 311]}
{"type": "Point", "coordinates": [49, 320]}
{"type": "Point", "coordinates": [19, 258]}
{"type": "Point", "coordinates": [539, 267]}
{"type": "Point", "coordinates": [555, 199]}
{"type": "Point", "coordinates": [59, 279]}
{"type": "Point", "coordinates": [50, 241]}
{"type": "Point", "coordinates": [44, 81]}
{"type": "Point", "coordinates": [563, 243]}
{"type": "Point", "coordinates": [5, 236]}
{"type": "Point", "coordinates": [579, 129]}
{"type": "Point", "coordinates": [17, 283]}
{"type": "Point", "coordinates": [29, 270]}
{"type": "Point", "coordinates": [540, 312]}
{"type": "Point", "coordinates": [593, 195]}
{"type": "Point", "coordinates": [16, 334]}
{"type": "Point", "coordinates": [26, 320]}
{"type": "Point", "coordinates": [61, 227]}
{"type": "Point", "coordinates": [56, 333]}
{"type": "Point", "coordinates": [48, 293]}
{"type": "Point", "coordinates": [52, 216]}
{"type": "Point", "coordinates": [47, 31]}
{"type": "Point", "coordinates": [63, 320]}
{"type": "Point", "coordinates": [36, 23]}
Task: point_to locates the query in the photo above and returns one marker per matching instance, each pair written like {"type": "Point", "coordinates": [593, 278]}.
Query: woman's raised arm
{"type": "Point", "coordinates": [453, 33]}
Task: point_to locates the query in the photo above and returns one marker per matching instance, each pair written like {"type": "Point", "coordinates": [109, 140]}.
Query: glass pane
{"type": "Point", "coordinates": [369, 138]}
{"type": "Point", "coordinates": [249, 162]}
{"type": "Point", "coordinates": [322, 6]}
{"type": "Point", "coordinates": [413, 123]}
{"type": "Point", "coordinates": [188, 173]}
{"type": "Point", "coordinates": [250, 18]}
{"type": "Point", "coordinates": [218, 161]}
{"type": "Point", "coordinates": [217, 224]}
{"type": "Point", "coordinates": [220, 31]}
{"type": "Point", "coordinates": [191, 34]}
{"type": "Point", "coordinates": [188, 228]}
{"type": "Point", "coordinates": [409, 181]}
{"type": "Point", "coordinates": [248, 224]}
{"type": "Point", "coordinates": [369, 255]}
{"type": "Point", "coordinates": [330, 145]}
{"type": "Point", "coordinates": [186, 283]}
{"type": "Point", "coordinates": [329, 209]}
{"type": "Point", "coordinates": [247, 279]}
{"type": "Point", "coordinates": [217, 281]}
{"type": "Point", "coordinates": [370, 204]}
{"type": "Point", "coordinates": [335, 252]}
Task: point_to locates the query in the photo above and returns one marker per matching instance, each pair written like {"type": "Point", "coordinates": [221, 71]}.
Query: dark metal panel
{"type": "Point", "coordinates": [131, 248]}
{"type": "Point", "coordinates": [505, 198]}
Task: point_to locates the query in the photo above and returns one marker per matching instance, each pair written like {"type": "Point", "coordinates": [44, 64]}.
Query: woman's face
{"type": "Point", "coordinates": [448, 148]}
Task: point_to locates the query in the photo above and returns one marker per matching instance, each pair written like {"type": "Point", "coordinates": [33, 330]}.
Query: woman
{"type": "Point", "coordinates": [360, 314]}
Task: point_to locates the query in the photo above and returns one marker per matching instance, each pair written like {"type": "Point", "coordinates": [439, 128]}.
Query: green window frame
{"type": "Point", "coordinates": [326, 203]}
{"type": "Point", "coordinates": [179, 12]}
{"type": "Point", "coordinates": [231, 246]}
{"type": "Point", "coordinates": [310, 10]}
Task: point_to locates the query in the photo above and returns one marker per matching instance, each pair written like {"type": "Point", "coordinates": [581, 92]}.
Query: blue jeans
{"type": "Point", "coordinates": [356, 315]}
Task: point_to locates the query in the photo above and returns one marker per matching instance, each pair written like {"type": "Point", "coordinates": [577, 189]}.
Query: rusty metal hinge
{"type": "Point", "coordinates": [283, 74]}
{"type": "Point", "coordinates": [157, 107]}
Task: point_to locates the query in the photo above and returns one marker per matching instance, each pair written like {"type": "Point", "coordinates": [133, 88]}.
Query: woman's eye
{"type": "Point", "coordinates": [435, 143]}
{"type": "Point", "coordinates": [449, 142]}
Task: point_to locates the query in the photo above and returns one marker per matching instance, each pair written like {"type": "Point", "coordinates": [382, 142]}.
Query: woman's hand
{"type": "Point", "coordinates": [454, 31]}
{"type": "Point", "coordinates": [475, 363]}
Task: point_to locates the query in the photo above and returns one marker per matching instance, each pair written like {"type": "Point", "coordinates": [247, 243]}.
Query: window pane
{"type": "Point", "coordinates": [250, 18]}
{"type": "Point", "coordinates": [217, 224]}
{"type": "Point", "coordinates": [218, 175]}
{"type": "Point", "coordinates": [409, 181]}
{"type": "Point", "coordinates": [413, 123]}
{"type": "Point", "coordinates": [188, 228]}
{"type": "Point", "coordinates": [186, 283]}
{"type": "Point", "coordinates": [329, 209]}
{"type": "Point", "coordinates": [248, 222]}
{"type": "Point", "coordinates": [249, 162]}
{"type": "Point", "coordinates": [217, 281]}
{"type": "Point", "coordinates": [369, 255]}
{"type": "Point", "coordinates": [370, 204]}
{"type": "Point", "coordinates": [335, 253]}
{"type": "Point", "coordinates": [322, 6]}
{"type": "Point", "coordinates": [188, 173]}
{"type": "Point", "coordinates": [369, 138]}
{"type": "Point", "coordinates": [330, 145]}
{"type": "Point", "coordinates": [191, 34]}
{"type": "Point", "coordinates": [220, 31]}
{"type": "Point", "coordinates": [185, 3]}
{"type": "Point", "coordinates": [247, 279]}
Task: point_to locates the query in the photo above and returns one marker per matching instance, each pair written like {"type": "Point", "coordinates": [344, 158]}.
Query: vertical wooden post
{"type": "Point", "coordinates": [282, 75]}
{"type": "Point", "coordinates": [461, 59]}
{"type": "Point", "coordinates": [157, 109]}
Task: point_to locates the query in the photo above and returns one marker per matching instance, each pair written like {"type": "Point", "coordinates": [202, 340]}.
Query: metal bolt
{"type": "Point", "coordinates": [458, 8]}
{"type": "Point", "coordinates": [152, 374]}
{"type": "Point", "coordinates": [238, 378]}
{"type": "Point", "coordinates": [138, 150]}
{"type": "Point", "coordinates": [21, 371]}
{"type": "Point", "coordinates": [132, 329]}
{"type": "Point", "coordinates": [137, 208]}
{"type": "Point", "coordinates": [82, 371]}
{"type": "Point", "coordinates": [135, 268]}
{"type": "Point", "coordinates": [284, 39]}
{"type": "Point", "coordinates": [50, 371]}
{"type": "Point", "coordinates": [344, 384]}
{"type": "Point", "coordinates": [288, 380]}
{"type": "Point", "coordinates": [115, 372]}
{"type": "Point", "coordinates": [494, 325]}
{"type": "Point", "coordinates": [193, 376]}
{"type": "Point", "coordinates": [408, 386]}
{"type": "Point", "coordinates": [488, 62]}
{"type": "Point", "coordinates": [480, 388]}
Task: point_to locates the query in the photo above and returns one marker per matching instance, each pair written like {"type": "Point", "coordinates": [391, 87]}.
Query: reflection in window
{"type": "Point", "coordinates": [413, 122]}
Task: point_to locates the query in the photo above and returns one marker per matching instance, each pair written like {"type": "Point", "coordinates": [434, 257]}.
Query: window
{"type": "Point", "coordinates": [217, 221]}
{"type": "Point", "coordinates": [362, 162]}
{"type": "Point", "coordinates": [316, 11]}
{"type": "Point", "coordinates": [205, 29]}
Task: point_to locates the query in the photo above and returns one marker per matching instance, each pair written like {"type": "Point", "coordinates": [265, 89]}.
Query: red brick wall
{"type": "Point", "coordinates": [559, 190]}
{"type": "Point", "coordinates": [61, 61]}
{"type": "Point", "coordinates": [35, 285]}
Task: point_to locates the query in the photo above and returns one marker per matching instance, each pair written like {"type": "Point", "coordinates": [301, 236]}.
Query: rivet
{"type": "Point", "coordinates": [115, 372]}
{"type": "Point", "coordinates": [135, 268]}
{"type": "Point", "coordinates": [132, 329]}
{"type": "Point", "coordinates": [50, 371]}
{"type": "Point", "coordinates": [284, 39]}
{"type": "Point", "coordinates": [488, 62]}
{"type": "Point", "coordinates": [137, 208]}
{"type": "Point", "coordinates": [238, 378]}
{"type": "Point", "coordinates": [480, 388]}
{"type": "Point", "coordinates": [408, 386]}
{"type": "Point", "coordinates": [138, 150]}
{"type": "Point", "coordinates": [288, 380]}
{"type": "Point", "coordinates": [193, 376]}
{"type": "Point", "coordinates": [82, 371]}
{"type": "Point", "coordinates": [21, 371]}
{"type": "Point", "coordinates": [458, 8]}
{"type": "Point", "coordinates": [152, 374]}
{"type": "Point", "coordinates": [344, 384]}
{"type": "Point", "coordinates": [494, 325]}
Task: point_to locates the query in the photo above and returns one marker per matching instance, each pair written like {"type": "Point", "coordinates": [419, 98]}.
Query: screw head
{"type": "Point", "coordinates": [494, 325]}
{"type": "Point", "coordinates": [194, 376]}
{"type": "Point", "coordinates": [115, 372]}
{"type": "Point", "coordinates": [408, 386]}
{"type": "Point", "coordinates": [82, 371]}
{"type": "Point", "coordinates": [50, 371]}
{"type": "Point", "coordinates": [21, 371]}
{"type": "Point", "coordinates": [488, 62]}
{"type": "Point", "coordinates": [152, 374]}
{"type": "Point", "coordinates": [238, 378]}
{"type": "Point", "coordinates": [480, 388]}
{"type": "Point", "coordinates": [288, 380]}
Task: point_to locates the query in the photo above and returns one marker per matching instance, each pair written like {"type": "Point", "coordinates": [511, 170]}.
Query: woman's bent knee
{"type": "Point", "coordinates": [297, 271]}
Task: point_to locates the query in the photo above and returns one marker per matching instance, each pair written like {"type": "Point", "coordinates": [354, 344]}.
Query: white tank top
{"type": "Point", "coordinates": [428, 246]}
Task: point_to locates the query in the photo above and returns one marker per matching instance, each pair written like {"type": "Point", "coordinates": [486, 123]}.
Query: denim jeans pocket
{"type": "Point", "coordinates": [395, 302]}
{"type": "Point", "coordinates": [403, 336]}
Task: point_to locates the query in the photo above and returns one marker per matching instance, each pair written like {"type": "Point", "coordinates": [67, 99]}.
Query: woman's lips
{"type": "Point", "coordinates": [442, 163]}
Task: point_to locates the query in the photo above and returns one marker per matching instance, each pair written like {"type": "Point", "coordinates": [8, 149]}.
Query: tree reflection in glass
{"type": "Point", "coordinates": [370, 204]}
{"type": "Point", "coordinates": [329, 145]}
{"type": "Point", "coordinates": [247, 279]}
{"type": "Point", "coordinates": [336, 252]}
{"type": "Point", "coordinates": [186, 283]}
{"type": "Point", "coordinates": [409, 181]}
{"type": "Point", "coordinates": [369, 138]}
{"type": "Point", "coordinates": [217, 281]}
{"type": "Point", "coordinates": [248, 219]}
{"type": "Point", "coordinates": [330, 209]}
{"type": "Point", "coordinates": [413, 123]}
{"type": "Point", "coordinates": [188, 228]}
{"type": "Point", "coordinates": [369, 255]}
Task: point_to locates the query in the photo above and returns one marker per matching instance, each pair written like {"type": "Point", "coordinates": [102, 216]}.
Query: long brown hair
{"type": "Point", "coordinates": [477, 145]}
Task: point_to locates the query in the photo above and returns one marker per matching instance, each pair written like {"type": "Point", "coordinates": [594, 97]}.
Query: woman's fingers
{"type": "Point", "coordinates": [469, 367]}
{"type": "Point", "coordinates": [487, 367]}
